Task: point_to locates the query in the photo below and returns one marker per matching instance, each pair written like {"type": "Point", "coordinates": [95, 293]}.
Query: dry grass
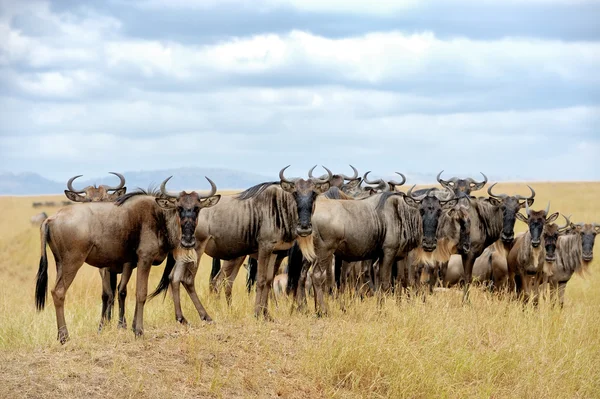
{"type": "Point", "coordinates": [490, 348]}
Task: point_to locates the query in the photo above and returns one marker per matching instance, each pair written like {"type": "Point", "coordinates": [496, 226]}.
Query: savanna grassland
{"type": "Point", "coordinates": [440, 348]}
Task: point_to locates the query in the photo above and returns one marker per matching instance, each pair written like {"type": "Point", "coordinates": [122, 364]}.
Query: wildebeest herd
{"type": "Point", "coordinates": [339, 232]}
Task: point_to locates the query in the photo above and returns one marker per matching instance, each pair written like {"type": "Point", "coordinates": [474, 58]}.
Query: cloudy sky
{"type": "Point", "coordinates": [507, 87]}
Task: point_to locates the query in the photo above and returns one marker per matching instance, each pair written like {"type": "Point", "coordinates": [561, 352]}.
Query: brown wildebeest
{"type": "Point", "coordinates": [532, 252]}
{"type": "Point", "coordinates": [574, 253]}
{"type": "Point", "coordinates": [109, 278]}
{"type": "Point", "coordinates": [486, 221]}
{"type": "Point", "coordinates": [36, 220]}
{"type": "Point", "coordinates": [142, 228]}
{"type": "Point", "coordinates": [451, 235]}
{"type": "Point", "coordinates": [385, 226]}
{"type": "Point", "coordinates": [96, 194]}
{"type": "Point", "coordinates": [491, 264]}
{"type": "Point", "coordinates": [265, 220]}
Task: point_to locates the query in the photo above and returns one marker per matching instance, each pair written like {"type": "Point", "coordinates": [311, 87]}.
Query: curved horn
{"type": "Point", "coordinates": [70, 185]}
{"type": "Point", "coordinates": [527, 211]}
{"type": "Point", "coordinates": [520, 197]}
{"type": "Point", "coordinates": [417, 199]}
{"type": "Point", "coordinates": [485, 179]}
{"type": "Point", "coordinates": [489, 190]}
{"type": "Point", "coordinates": [351, 178]}
{"type": "Point", "coordinates": [319, 181]}
{"type": "Point", "coordinates": [395, 183]}
{"type": "Point", "coordinates": [310, 172]}
{"type": "Point", "coordinates": [163, 189]}
{"type": "Point", "coordinates": [366, 180]}
{"type": "Point", "coordinates": [121, 184]}
{"type": "Point", "coordinates": [548, 208]}
{"type": "Point", "coordinates": [438, 177]}
{"type": "Point", "coordinates": [213, 188]}
{"type": "Point", "coordinates": [566, 226]}
{"type": "Point", "coordinates": [282, 177]}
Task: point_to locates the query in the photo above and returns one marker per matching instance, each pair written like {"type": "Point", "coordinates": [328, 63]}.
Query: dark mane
{"type": "Point", "coordinates": [384, 197]}
{"type": "Point", "coordinates": [152, 191]}
{"type": "Point", "coordinates": [255, 190]}
{"type": "Point", "coordinates": [336, 194]}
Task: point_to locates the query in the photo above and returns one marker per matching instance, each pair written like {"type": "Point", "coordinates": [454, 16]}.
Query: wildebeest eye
{"type": "Point", "coordinates": [196, 209]}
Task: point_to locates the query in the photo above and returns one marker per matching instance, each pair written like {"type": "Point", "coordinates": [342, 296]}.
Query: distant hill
{"type": "Point", "coordinates": [183, 179]}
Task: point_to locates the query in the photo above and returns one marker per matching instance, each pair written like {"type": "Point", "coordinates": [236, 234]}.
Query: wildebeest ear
{"type": "Point", "coordinates": [287, 186]}
{"type": "Point", "coordinates": [210, 201]}
{"type": "Point", "coordinates": [494, 201]}
{"type": "Point", "coordinates": [477, 186]}
{"type": "Point", "coordinates": [74, 196]}
{"type": "Point", "coordinates": [352, 184]}
{"type": "Point", "coordinates": [450, 203]}
{"type": "Point", "coordinates": [597, 228]}
{"type": "Point", "coordinates": [552, 217]}
{"type": "Point", "coordinates": [322, 187]}
{"type": "Point", "coordinates": [166, 203]}
{"type": "Point", "coordinates": [522, 217]}
{"type": "Point", "coordinates": [410, 202]}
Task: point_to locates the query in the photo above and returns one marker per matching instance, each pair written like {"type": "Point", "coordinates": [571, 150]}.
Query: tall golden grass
{"type": "Point", "coordinates": [438, 348]}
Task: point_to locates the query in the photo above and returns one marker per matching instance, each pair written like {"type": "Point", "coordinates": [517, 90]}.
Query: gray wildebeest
{"type": "Point", "coordinates": [574, 253]}
{"type": "Point", "coordinates": [265, 220]}
{"type": "Point", "coordinates": [96, 193]}
{"type": "Point", "coordinates": [531, 255]}
{"type": "Point", "coordinates": [491, 265]}
{"type": "Point", "coordinates": [36, 220]}
{"type": "Point", "coordinates": [143, 228]}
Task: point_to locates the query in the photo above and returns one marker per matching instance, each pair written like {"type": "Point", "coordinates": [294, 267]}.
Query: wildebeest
{"type": "Point", "coordinates": [37, 204]}
{"type": "Point", "coordinates": [265, 220]}
{"type": "Point", "coordinates": [144, 228]}
{"type": "Point", "coordinates": [491, 264]}
{"type": "Point", "coordinates": [532, 252]}
{"type": "Point", "coordinates": [574, 253]}
{"type": "Point", "coordinates": [109, 278]}
{"type": "Point", "coordinates": [96, 193]}
{"type": "Point", "coordinates": [37, 219]}
{"type": "Point", "coordinates": [485, 217]}
{"type": "Point", "coordinates": [384, 226]}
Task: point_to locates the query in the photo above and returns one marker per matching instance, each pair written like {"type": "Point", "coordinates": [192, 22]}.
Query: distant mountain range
{"type": "Point", "coordinates": [183, 179]}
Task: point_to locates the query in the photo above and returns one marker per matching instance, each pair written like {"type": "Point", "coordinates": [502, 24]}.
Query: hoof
{"type": "Point", "coordinates": [63, 337]}
{"type": "Point", "coordinates": [207, 319]}
{"type": "Point", "coordinates": [182, 320]}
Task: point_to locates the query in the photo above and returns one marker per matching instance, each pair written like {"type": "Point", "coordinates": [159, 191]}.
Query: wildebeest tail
{"type": "Point", "coordinates": [216, 268]}
{"type": "Point", "coordinates": [165, 280]}
{"type": "Point", "coordinates": [41, 286]}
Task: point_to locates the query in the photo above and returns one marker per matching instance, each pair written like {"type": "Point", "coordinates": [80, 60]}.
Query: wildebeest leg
{"type": "Point", "coordinates": [468, 260]}
{"type": "Point", "coordinates": [229, 273]}
{"type": "Point", "coordinates": [141, 293]}
{"type": "Point", "coordinates": [385, 275]}
{"type": "Point", "coordinates": [65, 273]}
{"type": "Point", "coordinates": [177, 277]}
{"type": "Point", "coordinates": [188, 281]}
{"type": "Point", "coordinates": [108, 297]}
{"type": "Point", "coordinates": [264, 281]}
{"type": "Point", "coordinates": [122, 292]}
{"type": "Point", "coordinates": [561, 294]}
{"type": "Point", "coordinates": [300, 293]}
{"type": "Point", "coordinates": [338, 272]}
{"type": "Point", "coordinates": [319, 279]}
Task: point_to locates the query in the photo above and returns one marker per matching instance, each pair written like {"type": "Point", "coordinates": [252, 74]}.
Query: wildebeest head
{"type": "Point", "coordinates": [430, 207]}
{"type": "Point", "coordinates": [537, 222]}
{"type": "Point", "coordinates": [338, 180]}
{"type": "Point", "coordinates": [305, 192]}
{"type": "Point", "coordinates": [588, 232]}
{"type": "Point", "coordinates": [188, 206]}
{"type": "Point", "coordinates": [461, 187]}
{"type": "Point", "coordinates": [510, 206]}
{"type": "Point", "coordinates": [96, 193]}
{"type": "Point", "coordinates": [460, 216]}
